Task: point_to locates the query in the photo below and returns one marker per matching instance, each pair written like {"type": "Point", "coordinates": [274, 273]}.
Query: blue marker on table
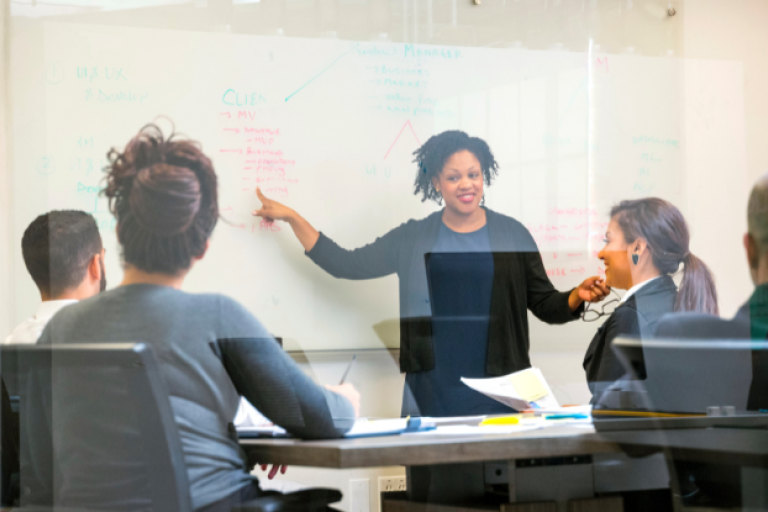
{"type": "Point", "coordinates": [567, 417]}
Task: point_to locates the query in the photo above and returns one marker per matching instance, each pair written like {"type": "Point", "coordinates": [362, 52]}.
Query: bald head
{"type": "Point", "coordinates": [757, 213]}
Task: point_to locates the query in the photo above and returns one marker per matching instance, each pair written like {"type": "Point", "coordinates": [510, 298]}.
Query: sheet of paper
{"type": "Point", "coordinates": [504, 389]}
{"type": "Point", "coordinates": [528, 386]}
{"type": "Point", "coordinates": [455, 420]}
{"type": "Point", "coordinates": [248, 416]}
{"type": "Point", "coordinates": [364, 427]}
{"type": "Point", "coordinates": [261, 431]}
{"type": "Point", "coordinates": [573, 409]}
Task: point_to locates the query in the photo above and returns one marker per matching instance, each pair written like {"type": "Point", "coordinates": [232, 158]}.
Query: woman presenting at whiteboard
{"type": "Point", "coordinates": [467, 276]}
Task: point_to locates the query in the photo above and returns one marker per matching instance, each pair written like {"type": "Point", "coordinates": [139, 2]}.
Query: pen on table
{"type": "Point", "coordinates": [344, 377]}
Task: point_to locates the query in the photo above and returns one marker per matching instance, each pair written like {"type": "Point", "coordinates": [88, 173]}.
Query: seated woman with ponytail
{"type": "Point", "coordinates": [645, 244]}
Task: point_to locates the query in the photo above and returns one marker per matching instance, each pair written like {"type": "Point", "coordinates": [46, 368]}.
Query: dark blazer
{"type": "Point", "coordinates": [519, 283]}
{"type": "Point", "coordinates": [637, 317]}
{"type": "Point", "coordinates": [750, 322]}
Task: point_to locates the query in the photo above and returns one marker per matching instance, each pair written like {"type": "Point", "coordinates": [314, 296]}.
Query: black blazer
{"type": "Point", "coordinates": [519, 283]}
{"type": "Point", "coordinates": [750, 322]}
{"type": "Point", "coordinates": [637, 317]}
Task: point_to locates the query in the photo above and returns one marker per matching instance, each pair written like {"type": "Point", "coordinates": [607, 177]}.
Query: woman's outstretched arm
{"type": "Point", "coordinates": [272, 210]}
{"type": "Point", "coordinates": [377, 259]}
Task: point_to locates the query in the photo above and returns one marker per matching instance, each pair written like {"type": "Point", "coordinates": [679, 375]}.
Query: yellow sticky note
{"type": "Point", "coordinates": [503, 420]}
{"type": "Point", "coordinates": [528, 386]}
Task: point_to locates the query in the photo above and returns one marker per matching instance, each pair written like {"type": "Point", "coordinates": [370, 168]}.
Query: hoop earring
{"type": "Point", "coordinates": [482, 201]}
{"type": "Point", "coordinates": [635, 258]}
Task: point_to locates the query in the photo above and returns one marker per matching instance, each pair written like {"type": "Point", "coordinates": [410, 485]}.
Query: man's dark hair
{"type": "Point", "coordinates": [433, 154]}
{"type": "Point", "coordinates": [57, 248]}
{"type": "Point", "coordinates": [163, 192]}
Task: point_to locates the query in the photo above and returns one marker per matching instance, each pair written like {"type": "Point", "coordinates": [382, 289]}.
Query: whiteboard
{"type": "Point", "coordinates": [329, 127]}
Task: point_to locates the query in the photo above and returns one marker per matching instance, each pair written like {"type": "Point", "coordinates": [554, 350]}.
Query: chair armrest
{"type": "Point", "coordinates": [306, 500]}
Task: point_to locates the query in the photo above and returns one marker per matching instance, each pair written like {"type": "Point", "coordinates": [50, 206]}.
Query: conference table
{"type": "Point", "coordinates": [454, 468]}
{"type": "Point", "coordinates": [428, 449]}
{"type": "Point", "coordinates": [447, 468]}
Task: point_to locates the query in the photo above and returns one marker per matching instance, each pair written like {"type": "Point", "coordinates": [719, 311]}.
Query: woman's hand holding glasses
{"type": "Point", "coordinates": [592, 289]}
{"type": "Point", "coordinates": [593, 312]}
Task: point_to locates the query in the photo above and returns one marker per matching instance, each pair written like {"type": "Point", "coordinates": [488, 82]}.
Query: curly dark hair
{"type": "Point", "coordinates": [163, 192]}
{"type": "Point", "coordinates": [433, 154]}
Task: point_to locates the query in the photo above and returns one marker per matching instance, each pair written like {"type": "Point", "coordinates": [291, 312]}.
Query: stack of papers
{"type": "Point", "coordinates": [526, 389]}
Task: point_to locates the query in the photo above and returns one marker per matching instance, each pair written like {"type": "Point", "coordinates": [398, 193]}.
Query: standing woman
{"type": "Point", "coordinates": [467, 276]}
{"type": "Point", "coordinates": [645, 244]}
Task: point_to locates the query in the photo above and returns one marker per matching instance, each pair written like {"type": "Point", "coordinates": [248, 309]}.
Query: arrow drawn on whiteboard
{"type": "Point", "coordinates": [225, 114]}
{"type": "Point", "coordinates": [329, 66]}
{"type": "Point", "coordinates": [236, 130]}
{"type": "Point", "coordinates": [409, 125]}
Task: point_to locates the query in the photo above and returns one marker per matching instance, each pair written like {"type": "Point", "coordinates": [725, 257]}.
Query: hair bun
{"type": "Point", "coordinates": [164, 199]}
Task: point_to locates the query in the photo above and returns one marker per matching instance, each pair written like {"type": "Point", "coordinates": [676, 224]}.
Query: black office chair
{"type": "Point", "coordinates": [97, 433]}
{"type": "Point", "coordinates": [96, 428]}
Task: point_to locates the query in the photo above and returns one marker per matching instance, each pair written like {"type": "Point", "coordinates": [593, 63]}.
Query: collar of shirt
{"type": "Point", "coordinates": [47, 309]}
{"type": "Point", "coordinates": [635, 288]}
{"type": "Point", "coordinates": [30, 329]}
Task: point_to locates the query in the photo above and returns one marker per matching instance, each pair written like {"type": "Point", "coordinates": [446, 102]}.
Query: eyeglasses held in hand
{"type": "Point", "coordinates": [606, 308]}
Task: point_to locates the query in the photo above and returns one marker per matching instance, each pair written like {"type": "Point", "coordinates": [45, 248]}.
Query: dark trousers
{"type": "Point", "coordinates": [247, 493]}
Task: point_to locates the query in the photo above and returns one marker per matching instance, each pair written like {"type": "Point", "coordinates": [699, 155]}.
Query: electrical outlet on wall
{"type": "Point", "coordinates": [391, 483]}
{"type": "Point", "coordinates": [359, 495]}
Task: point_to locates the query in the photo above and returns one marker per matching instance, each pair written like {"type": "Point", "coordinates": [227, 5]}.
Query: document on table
{"type": "Point", "coordinates": [261, 431]}
{"type": "Point", "coordinates": [526, 389]}
{"type": "Point", "coordinates": [363, 427]}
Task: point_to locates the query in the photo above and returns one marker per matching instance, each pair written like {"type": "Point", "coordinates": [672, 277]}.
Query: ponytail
{"type": "Point", "coordinates": [697, 291]}
{"type": "Point", "coordinates": [663, 227]}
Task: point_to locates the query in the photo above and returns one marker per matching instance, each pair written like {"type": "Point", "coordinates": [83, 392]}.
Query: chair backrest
{"type": "Point", "coordinates": [96, 428]}
{"type": "Point", "coordinates": [688, 376]}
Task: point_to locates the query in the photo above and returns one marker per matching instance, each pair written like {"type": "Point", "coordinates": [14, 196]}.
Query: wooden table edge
{"type": "Point", "coordinates": [386, 451]}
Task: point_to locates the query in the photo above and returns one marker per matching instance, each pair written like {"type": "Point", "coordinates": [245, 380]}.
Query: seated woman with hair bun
{"type": "Point", "coordinates": [163, 192]}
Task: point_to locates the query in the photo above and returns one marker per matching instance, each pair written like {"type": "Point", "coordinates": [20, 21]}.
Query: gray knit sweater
{"type": "Point", "coordinates": [182, 328]}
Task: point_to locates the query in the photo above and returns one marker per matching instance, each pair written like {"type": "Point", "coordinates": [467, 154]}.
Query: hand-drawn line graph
{"type": "Point", "coordinates": [409, 125]}
{"type": "Point", "coordinates": [329, 66]}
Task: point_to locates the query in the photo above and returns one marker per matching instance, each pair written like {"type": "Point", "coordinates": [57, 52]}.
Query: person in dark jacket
{"type": "Point", "coordinates": [645, 244]}
{"type": "Point", "coordinates": [467, 275]}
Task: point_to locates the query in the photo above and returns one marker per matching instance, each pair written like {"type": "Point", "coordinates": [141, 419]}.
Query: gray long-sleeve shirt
{"type": "Point", "coordinates": [182, 328]}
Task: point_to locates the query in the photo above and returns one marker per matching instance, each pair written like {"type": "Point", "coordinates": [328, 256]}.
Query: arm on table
{"type": "Point", "coordinates": [276, 386]}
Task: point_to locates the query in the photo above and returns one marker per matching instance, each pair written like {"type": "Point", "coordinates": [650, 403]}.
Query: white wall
{"type": "Point", "coordinates": [6, 243]}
